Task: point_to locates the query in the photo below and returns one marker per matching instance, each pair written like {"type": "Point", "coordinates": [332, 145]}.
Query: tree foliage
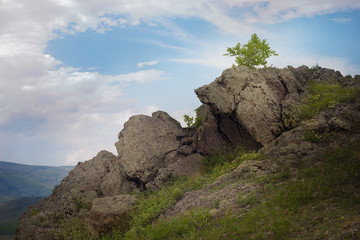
{"type": "Point", "coordinates": [252, 54]}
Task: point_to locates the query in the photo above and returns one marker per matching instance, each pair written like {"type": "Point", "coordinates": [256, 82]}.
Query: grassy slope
{"type": "Point", "coordinates": [11, 210]}
{"type": "Point", "coordinates": [18, 180]}
{"type": "Point", "coordinates": [319, 200]}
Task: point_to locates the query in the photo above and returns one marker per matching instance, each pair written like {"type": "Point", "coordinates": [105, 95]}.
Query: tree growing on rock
{"type": "Point", "coordinates": [252, 54]}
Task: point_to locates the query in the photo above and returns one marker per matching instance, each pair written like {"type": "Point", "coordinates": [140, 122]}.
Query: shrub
{"type": "Point", "coordinates": [191, 121]}
{"type": "Point", "coordinates": [323, 96]}
{"type": "Point", "coordinates": [252, 54]}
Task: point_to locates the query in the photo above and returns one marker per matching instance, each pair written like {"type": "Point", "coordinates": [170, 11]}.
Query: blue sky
{"type": "Point", "coordinates": [72, 72]}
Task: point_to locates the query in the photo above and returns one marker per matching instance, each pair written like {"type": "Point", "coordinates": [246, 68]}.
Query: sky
{"type": "Point", "coordinates": [72, 72]}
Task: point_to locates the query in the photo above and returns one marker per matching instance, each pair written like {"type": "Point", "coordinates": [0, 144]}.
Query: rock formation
{"type": "Point", "coordinates": [150, 151]}
{"type": "Point", "coordinates": [256, 109]}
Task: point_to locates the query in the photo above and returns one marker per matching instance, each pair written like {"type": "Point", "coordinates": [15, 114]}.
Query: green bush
{"type": "Point", "coordinates": [79, 204]}
{"type": "Point", "coordinates": [323, 96]}
{"type": "Point", "coordinates": [252, 54]}
{"type": "Point", "coordinates": [189, 120]}
{"type": "Point", "coordinates": [193, 122]}
{"type": "Point", "coordinates": [315, 136]}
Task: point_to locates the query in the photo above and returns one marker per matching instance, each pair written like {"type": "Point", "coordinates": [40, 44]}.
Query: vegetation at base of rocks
{"type": "Point", "coordinates": [247, 200]}
{"type": "Point", "coordinates": [317, 202]}
{"type": "Point", "coordinates": [314, 68]}
{"type": "Point", "coordinates": [224, 161]}
{"type": "Point", "coordinates": [11, 210]}
{"type": "Point", "coordinates": [34, 211]}
{"type": "Point", "coordinates": [151, 205]}
{"type": "Point", "coordinates": [182, 226]}
{"type": "Point", "coordinates": [74, 229]}
{"type": "Point", "coordinates": [323, 96]}
{"type": "Point", "coordinates": [316, 136]}
{"type": "Point", "coordinates": [79, 204]}
{"type": "Point", "coordinates": [252, 54]}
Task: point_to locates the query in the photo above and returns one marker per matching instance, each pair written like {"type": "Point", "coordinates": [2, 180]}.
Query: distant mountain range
{"type": "Point", "coordinates": [11, 210]}
{"type": "Point", "coordinates": [21, 186]}
{"type": "Point", "coordinates": [19, 180]}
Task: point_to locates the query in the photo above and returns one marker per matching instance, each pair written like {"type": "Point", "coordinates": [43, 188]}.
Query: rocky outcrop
{"type": "Point", "coordinates": [252, 107]}
{"type": "Point", "coordinates": [257, 103]}
{"type": "Point", "coordinates": [256, 109]}
{"type": "Point", "coordinates": [150, 151]}
{"type": "Point", "coordinates": [147, 144]}
{"type": "Point", "coordinates": [333, 126]}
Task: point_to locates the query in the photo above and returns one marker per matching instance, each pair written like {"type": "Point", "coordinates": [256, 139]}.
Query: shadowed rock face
{"type": "Point", "coordinates": [255, 103]}
{"type": "Point", "coordinates": [252, 107]}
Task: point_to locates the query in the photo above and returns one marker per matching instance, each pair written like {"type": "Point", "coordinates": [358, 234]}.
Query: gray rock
{"type": "Point", "coordinates": [98, 177]}
{"type": "Point", "coordinates": [259, 101]}
{"type": "Point", "coordinates": [223, 194]}
{"type": "Point", "coordinates": [144, 143]}
{"type": "Point", "coordinates": [109, 212]}
{"type": "Point", "coordinates": [335, 125]}
{"type": "Point", "coordinates": [188, 166]}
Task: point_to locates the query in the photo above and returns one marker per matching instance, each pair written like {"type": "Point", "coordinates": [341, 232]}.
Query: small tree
{"type": "Point", "coordinates": [189, 120]}
{"type": "Point", "coordinates": [252, 54]}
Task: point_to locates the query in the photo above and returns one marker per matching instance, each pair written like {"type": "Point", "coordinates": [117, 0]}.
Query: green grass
{"type": "Point", "coordinates": [151, 205]}
{"type": "Point", "coordinates": [317, 136]}
{"type": "Point", "coordinates": [8, 228]}
{"type": "Point", "coordinates": [318, 202]}
{"type": "Point", "coordinates": [323, 96]}
{"type": "Point", "coordinates": [74, 229]}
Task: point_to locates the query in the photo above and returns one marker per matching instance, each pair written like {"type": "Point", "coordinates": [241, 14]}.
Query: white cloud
{"type": "Point", "coordinates": [70, 107]}
{"type": "Point", "coordinates": [342, 20]}
{"type": "Point", "coordinates": [150, 63]}
{"type": "Point", "coordinates": [273, 11]}
{"type": "Point", "coordinates": [211, 55]}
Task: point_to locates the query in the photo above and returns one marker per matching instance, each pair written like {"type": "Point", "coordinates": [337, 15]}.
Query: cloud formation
{"type": "Point", "coordinates": [342, 20]}
{"type": "Point", "coordinates": [150, 63]}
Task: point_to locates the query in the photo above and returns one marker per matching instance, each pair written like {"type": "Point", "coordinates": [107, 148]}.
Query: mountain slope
{"type": "Point", "coordinates": [11, 210]}
{"type": "Point", "coordinates": [18, 180]}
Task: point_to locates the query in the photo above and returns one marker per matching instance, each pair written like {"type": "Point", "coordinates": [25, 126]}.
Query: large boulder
{"type": "Point", "coordinates": [147, 144]}
{"type": "Point", "coordinates": [258, 104]}
{"type": "Point", "coordinates": [108, 213]}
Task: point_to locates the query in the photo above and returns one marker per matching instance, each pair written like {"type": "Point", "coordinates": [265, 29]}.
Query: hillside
{"type": "Point", "coordinates": [273, 154]}
{"type": "Point", "coordinates": [18, 180]}
{"type": "Point", "coordinates": [10, 212]}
